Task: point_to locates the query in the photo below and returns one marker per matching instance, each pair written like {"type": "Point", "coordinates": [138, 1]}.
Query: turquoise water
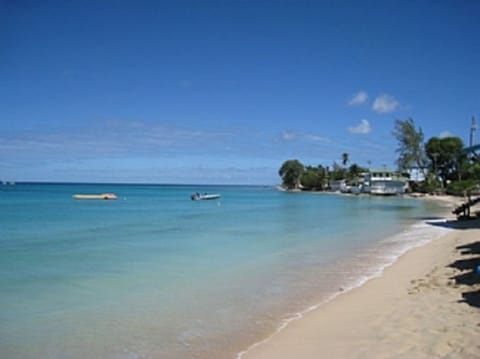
{"type": "Point", "coordinates": [156, 275]}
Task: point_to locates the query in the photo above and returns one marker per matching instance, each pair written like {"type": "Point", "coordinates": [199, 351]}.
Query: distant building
{"type": "Point", "coordinates": [384, 182]}
{"type": "Point", "coordinates": [375, 182]}
{"type": "Point", "coordinates": [338, 186]}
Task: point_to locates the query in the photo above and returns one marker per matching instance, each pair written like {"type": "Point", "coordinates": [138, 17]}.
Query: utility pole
{"type": "Point", "coordinates": [473, 132]}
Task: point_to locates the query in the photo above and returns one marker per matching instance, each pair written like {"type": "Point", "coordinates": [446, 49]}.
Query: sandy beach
{"type": "Point", "coordinates": [426, 305]}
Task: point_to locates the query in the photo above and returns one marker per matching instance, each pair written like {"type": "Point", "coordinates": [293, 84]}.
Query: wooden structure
{"type": "Point", "coordinates": [463, 211]}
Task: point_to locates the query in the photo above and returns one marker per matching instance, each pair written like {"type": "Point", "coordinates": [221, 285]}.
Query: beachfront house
{"type": "Point", "coordinates": [384, 182]}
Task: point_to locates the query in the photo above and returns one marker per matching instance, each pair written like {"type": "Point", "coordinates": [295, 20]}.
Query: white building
{"type": "Point", "coordinates": [384, 182]}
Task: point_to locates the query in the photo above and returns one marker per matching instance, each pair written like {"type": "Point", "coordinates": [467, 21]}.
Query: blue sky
{"type": "Point", "coordinates": [225, 91]}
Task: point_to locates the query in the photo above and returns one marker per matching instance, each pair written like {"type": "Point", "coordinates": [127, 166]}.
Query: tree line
{"type": "Point", "coordinates": [295, 175]}
{"type": "Point", "coordinates": [442, 162]}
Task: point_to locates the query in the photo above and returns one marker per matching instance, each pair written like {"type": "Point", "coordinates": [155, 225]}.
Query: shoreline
{"type": "Point", "coordinates": [371, 319]}
{"type": "Point", "coordinates": [377, 264]}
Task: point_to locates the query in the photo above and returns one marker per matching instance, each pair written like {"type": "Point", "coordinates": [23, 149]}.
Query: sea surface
{"type": "Point", "coordinates": [154, 274]}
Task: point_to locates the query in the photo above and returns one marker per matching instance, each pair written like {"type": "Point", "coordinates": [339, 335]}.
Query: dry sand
{"type": "Point", "coordinates": [426, 305]}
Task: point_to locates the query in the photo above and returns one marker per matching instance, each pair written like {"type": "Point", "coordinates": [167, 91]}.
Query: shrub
{"type": "Point", "coordinates": [458, 188]}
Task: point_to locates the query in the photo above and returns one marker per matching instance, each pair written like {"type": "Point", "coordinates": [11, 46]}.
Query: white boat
{"type": "Point", "coordinates": [108, 196]}
{"type": "Point", "coordinates": [198, 196]}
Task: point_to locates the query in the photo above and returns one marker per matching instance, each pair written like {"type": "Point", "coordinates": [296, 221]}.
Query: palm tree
{"type": "Point", "coordinates": [344, 158]}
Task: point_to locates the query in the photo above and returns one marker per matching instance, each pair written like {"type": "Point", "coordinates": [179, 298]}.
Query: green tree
{"type": "Point", "coordinates": [410, 145]}
{"type": "Point", "coordinates": [313, 178]}
{"type": "Point", "coordinates": [446, 157]}
{"type": "Point", "coordinates": [354, 171]}
{"type": "Point", "coordinates": [291, 171]}
{"type": "Point", "coordinates": [470, 170]}
{"type": "Point", "coordinates": [338, 172]}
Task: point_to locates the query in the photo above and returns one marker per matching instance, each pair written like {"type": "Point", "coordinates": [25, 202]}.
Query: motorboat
{"type": "Point", "coordinates": [204, 196]}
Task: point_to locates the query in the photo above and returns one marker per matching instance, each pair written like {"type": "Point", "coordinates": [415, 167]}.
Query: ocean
{"type": "Point", "coordinates": [154, 274]}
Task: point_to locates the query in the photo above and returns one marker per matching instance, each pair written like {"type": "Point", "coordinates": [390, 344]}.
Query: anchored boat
{"type": "Point", "coordinates": [108, 196]}
{"type": "Point", "coordinates": [198, 196]}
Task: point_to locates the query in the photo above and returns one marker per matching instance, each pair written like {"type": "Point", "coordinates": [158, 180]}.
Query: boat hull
{"type": "Point", "coordinates": [105, 196]}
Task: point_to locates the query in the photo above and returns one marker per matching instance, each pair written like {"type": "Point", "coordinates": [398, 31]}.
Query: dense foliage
{"type": "Point", "coordinates": [446, 157]}
{"type": "Point", "coordinates": [295, 175]}
{"type": "Point", "coordinates": [314, 178]}
{"type": "Point", "coordinates": [458, 188]}
{"type": "Point", "coordinates": [291, 171]}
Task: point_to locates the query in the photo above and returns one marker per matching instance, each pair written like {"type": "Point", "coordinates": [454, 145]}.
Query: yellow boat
{"type": "Point", "coordinates": [95, 196]}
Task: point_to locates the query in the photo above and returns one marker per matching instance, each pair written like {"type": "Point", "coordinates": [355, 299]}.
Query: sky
{"type": "Point", "coordinates": [223, 92]}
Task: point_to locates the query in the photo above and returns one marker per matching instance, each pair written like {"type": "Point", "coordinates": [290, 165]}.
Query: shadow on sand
{"type": "Point", "coordinates": [470, 275]}
{"type": "Point", "coordinates": [468, 265]}
{"type": "Point", "coordinates": [456, 224]}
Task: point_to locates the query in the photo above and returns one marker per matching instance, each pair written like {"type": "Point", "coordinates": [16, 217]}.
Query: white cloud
{"type": "Point", "coordinates": [385, 104]}
{"type": "Point", "coordinates": [289, 135]}
{"type": "Point", "coordinates": [363, 128]}
{"type": "Point", "coordinates": [358, 99]}
{"type": "Point", "coordinates": [446, 134]}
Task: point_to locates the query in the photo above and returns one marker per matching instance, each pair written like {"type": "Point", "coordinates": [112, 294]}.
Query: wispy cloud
{"type": "Point", "coordinates": [135, 150]}
{"type": "Point", "coordinates": [385, 104]}
{"type": "Point", "coordinates": [358, 99]}
{"type": "Point", "coordinates": [363, 128]}
{"type": "Point", "coordinates": [115, 138]}
{"type": "Point", "coordinates": [316, 138]}
{"type": "Point", "coordinates": [289, 135]}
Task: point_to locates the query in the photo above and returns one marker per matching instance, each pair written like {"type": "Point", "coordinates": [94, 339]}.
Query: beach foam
{"type": "Point", "coordinates": [421, 307]}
